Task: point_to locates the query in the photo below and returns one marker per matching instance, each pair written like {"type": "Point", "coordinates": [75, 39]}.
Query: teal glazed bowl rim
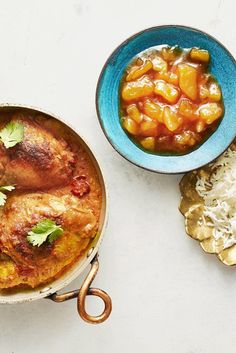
{"type": "Point", "coordinates": [223, 67]}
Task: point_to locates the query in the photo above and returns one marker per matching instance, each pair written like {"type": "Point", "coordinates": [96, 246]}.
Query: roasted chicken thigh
{"type": "Point", "coordinates": [40, 161]}
{"type": "Point", "coordinates": [35, 264]}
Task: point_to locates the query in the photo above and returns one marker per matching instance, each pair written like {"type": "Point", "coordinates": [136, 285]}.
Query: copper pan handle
{"type": "Point", "coordinates": [81, 294]}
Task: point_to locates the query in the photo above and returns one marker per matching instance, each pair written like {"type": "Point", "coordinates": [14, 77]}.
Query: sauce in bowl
{"type": "Point", "coordinates": [169, 101]}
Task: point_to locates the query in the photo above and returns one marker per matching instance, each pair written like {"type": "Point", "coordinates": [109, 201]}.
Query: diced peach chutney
{"type": "Point", "coordinates": [169, 100]}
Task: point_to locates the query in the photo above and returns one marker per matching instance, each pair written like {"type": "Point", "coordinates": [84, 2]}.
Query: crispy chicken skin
{"type": "Point", "coordinates": [32, 265]}
{"type": "Point", "coordinates": [40, 161]}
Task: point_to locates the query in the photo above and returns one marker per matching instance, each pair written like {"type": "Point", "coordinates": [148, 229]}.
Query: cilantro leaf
{"type": "Point", "coordinates": [12, 134]}
{"type": "Point", "coordinates": [7, 188]}
{"type": "Point", "coordinates": [3, 197]}
{"type": "Point", "coordinates": [54, 235]}
{"type": "Point", "coordinates": [36, 239]}
{"type": "Point", "coordinates": [44, 230]}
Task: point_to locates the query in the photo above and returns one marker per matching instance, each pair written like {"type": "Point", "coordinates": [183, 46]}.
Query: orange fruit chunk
{"type": "Point", "coordinates": [188, 80]}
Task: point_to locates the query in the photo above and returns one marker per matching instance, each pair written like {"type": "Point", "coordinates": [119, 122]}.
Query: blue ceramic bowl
{"type": "Point", "coordinates": [223, 67]}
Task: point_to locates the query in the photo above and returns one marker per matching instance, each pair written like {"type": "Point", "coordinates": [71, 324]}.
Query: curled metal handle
{"type": "Point", "coordinates": [83, 292]}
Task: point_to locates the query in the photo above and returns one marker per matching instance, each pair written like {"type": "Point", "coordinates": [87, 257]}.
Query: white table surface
{"type": "Point", "coordinates": [168, 296]}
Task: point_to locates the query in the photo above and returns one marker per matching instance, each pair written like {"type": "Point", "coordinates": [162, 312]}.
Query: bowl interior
{"type": "Point", "coordinates": [20, 296]}
{"type": "Point", "coordinates": [223, 67]}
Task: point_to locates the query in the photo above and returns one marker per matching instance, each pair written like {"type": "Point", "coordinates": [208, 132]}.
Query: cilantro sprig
{"type": "Point", "coordinates": [7, 188]}
{"type": "Point", "coordinates": [12, 134]}
{"type": "Point", "coordinates": [3, 197]}
{"type": "Point", "coordinates": [43, 231]}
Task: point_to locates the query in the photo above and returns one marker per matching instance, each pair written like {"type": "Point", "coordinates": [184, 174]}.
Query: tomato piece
{"type": "Point", "coordinates": [80, 186]}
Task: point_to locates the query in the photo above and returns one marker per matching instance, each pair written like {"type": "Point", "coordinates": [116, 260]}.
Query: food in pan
{"type": "Point", "coordinates": [209, 206]}
{"type": "Point", "coordinates": [50, 199]}
{"type": "Point", "coordinates": [169, 100]}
